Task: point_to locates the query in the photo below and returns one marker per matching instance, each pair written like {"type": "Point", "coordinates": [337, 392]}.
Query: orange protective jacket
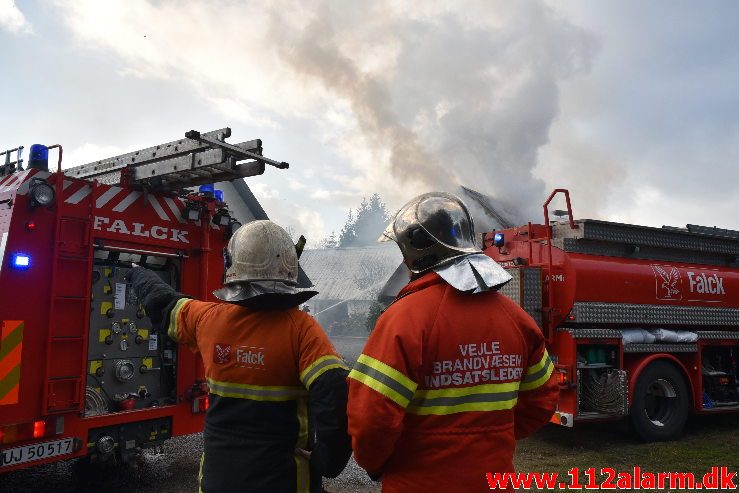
{"type": "Point", "coordinates": [446, 384]}
{"type": "Point", "coordinates": [275, 385]}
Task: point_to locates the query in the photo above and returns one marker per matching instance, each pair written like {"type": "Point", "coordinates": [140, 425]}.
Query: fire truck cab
{"type": "Point", "coordinates": [83, 370]}
{"type": "Point", "coordinates": [640, 321]}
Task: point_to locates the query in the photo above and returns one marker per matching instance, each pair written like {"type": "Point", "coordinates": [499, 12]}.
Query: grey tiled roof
{"type": "Point", "coordinates": [356, 273]}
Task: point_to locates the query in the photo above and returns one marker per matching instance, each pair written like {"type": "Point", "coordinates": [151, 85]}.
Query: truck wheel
{"type": "Point", "coordinates": [661, 402]}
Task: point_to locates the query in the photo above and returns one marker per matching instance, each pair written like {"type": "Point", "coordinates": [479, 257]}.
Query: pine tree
{"type": "Point", "coordinates": [364, 228]}
{"type": "Point", "coordinates": [348, 235]}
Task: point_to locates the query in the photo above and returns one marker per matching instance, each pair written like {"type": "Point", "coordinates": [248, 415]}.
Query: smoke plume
{"type": "Point", "coordinates": [462, 94]}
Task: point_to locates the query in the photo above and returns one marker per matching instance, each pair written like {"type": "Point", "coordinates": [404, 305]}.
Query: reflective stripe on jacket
{"type": "Point", "coordinates": [446, 383]}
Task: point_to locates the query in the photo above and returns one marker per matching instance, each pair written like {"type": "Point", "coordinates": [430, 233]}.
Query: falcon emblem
{"type": "Point", "coordinates": [222, 354]}
{"type": "Point", "coordinates": [669, 282]}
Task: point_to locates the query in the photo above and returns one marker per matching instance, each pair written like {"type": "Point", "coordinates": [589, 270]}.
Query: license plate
{"type": "Point", "coordinates": [37, 451]}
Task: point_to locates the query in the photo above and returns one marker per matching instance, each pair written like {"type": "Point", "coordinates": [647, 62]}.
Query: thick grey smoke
{"type": "Point", "coordinates": [466, 96]}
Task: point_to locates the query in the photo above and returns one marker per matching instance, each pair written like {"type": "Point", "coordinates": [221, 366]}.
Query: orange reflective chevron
{"type": "Point", "coordinates": [11, 345]}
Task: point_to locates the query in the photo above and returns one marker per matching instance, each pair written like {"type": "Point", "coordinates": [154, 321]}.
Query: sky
{"type": "Point", "coordinates": [633, 106]}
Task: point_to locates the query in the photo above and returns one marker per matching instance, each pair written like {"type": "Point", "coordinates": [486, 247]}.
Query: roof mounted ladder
{"type": "Point", "coordinates": [197, 159]}
{"type": "Point", "coordinates": [9, 167]}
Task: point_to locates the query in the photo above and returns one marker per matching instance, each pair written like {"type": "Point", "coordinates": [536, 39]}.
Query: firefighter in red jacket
{"type": "Point", "coordinates": [454, 372]}
{"type": "Point", "coordinates": [277, 416]}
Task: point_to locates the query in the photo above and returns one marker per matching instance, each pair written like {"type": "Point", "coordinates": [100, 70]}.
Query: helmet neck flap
{"type": "Point", "coordinates": [261, 268]}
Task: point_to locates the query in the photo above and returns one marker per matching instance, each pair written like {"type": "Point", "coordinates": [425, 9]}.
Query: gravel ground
{"type": "Point", "coordinates": [172, 471]}
{"type": "Point", "coordinates": [352, 480]}
{"type": "Point", "coordinates": [708, 441]}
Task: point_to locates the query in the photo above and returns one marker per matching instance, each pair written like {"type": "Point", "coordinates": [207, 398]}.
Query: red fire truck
{"type": "Point", "coordinates": [640, 321]}
{"type": "Point", "coordinates": [83, 371]}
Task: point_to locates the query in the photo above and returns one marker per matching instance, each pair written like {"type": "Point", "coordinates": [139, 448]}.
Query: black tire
{"type": "Point", "coordinates": [661, 403]}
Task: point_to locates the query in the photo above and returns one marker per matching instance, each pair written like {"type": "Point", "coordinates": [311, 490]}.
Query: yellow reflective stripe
{"type": "Point", "coordinates": [172, 330]}
{"type": "Point", "coordinates": [255, 392]}
{"type": "Point", "coordinates": [302, 467]}
{"type": "Point", "coordinates": [200, 473]}
{"type": "Point", "coordinates": [489, 388]}
{"type": "Point", "coordinates": [384, 379]}
{"type": "Point", "coordinates": [539, 365]}
{"type": "Point", "coordinates": [487, 397]}
{"type": "Point", "coordinates": [466, 407]}
{"type": "Point", "coordinates": [319, 367]}
{"type": "Point", "coordinates": [389, 371]}
{"type": "Point", "coordinates": [380, 387]}
{"type": "Point", "coordinates": [538, 382]}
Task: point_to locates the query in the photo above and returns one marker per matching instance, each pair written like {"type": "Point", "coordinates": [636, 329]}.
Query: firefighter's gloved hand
{"type": "Point", "coordinates": [152, 292]}
{"type": "Point", "coordinates": [322, 461]}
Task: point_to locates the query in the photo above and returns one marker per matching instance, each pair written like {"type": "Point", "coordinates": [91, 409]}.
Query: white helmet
{"type": "Point", "coordinates": [260, 251]}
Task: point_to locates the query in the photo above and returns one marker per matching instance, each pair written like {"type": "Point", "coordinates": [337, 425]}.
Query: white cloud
{"type": "Point", "coordinates": [295, 185]}
{"type": "Point", "coordinates": [88, 153]}
{"type": "Point", "coordinates": [291, 214]}
{"type": "Point", "coordinates": [335, 196]}
{"type": "Point", "coordinates": [12, 19]}
{"type": "Point", "coordinates": [241, 112]}
{"type": "Point", "coordinates": [263, 192]}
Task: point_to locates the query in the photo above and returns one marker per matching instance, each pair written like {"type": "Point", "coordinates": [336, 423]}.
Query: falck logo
{"type": "Point", "coordinates": [222, 354]}
{"type": "Point", "coordinates": [669, 283]}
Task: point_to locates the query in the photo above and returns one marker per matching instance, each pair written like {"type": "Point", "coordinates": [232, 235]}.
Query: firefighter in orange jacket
{"type": "Point", "coordinates": [277, 416]}
{"type": "Point", "coordinates": [454, 372]}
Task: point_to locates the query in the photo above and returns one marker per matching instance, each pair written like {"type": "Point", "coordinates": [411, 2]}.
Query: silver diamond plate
{"type": "Point", "coordinates": [645, 315]}
{"type": "Point", "coordinates": [660, 348]}
{"type": "Point", "coordinates": [525, 290]}
{"type": "Point", "coordinates": [630, 234]}
{"type": "Point", "coordinates": [592, 333]}
{"type": "Point", "coordinates": [532, 293]}
{"type": "Point", "coordinates": [717, 334]}
{"type": "Point", "coordinates": [513, 288]}
{"type": "Point", "coordinates": [603, 248]}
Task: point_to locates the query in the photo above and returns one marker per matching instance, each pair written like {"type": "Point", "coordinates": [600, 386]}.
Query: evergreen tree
{"type": "Point", "coordinates": [348, 234]}
{"type": "Point", "coordinates": [366, 227]}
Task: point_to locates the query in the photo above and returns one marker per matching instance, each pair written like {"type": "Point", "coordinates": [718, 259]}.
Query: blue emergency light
{"type": "Point", "coordinates": [499, 239]}
{"type": "Point", "coordinates": [207, 189]}
{"type": "Point", "coordinates": [20, 261]}
{"type": "Point", "coordinates": [219, 195]}
{"type": "Point", "coordinates": [39, 157]}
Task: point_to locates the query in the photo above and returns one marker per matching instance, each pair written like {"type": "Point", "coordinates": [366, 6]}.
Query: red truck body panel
{"type": "Point", "coordinates": [46, 308]}
{"type": "Point", "coordinates": [590, 282]}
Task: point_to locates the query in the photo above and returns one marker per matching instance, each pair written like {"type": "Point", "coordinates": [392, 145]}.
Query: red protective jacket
{"type": "Point", "coordinates": [445, 385]}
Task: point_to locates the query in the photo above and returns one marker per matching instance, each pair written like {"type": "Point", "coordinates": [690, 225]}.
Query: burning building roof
{"type": "Point", "coordinates": [354, 273]}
